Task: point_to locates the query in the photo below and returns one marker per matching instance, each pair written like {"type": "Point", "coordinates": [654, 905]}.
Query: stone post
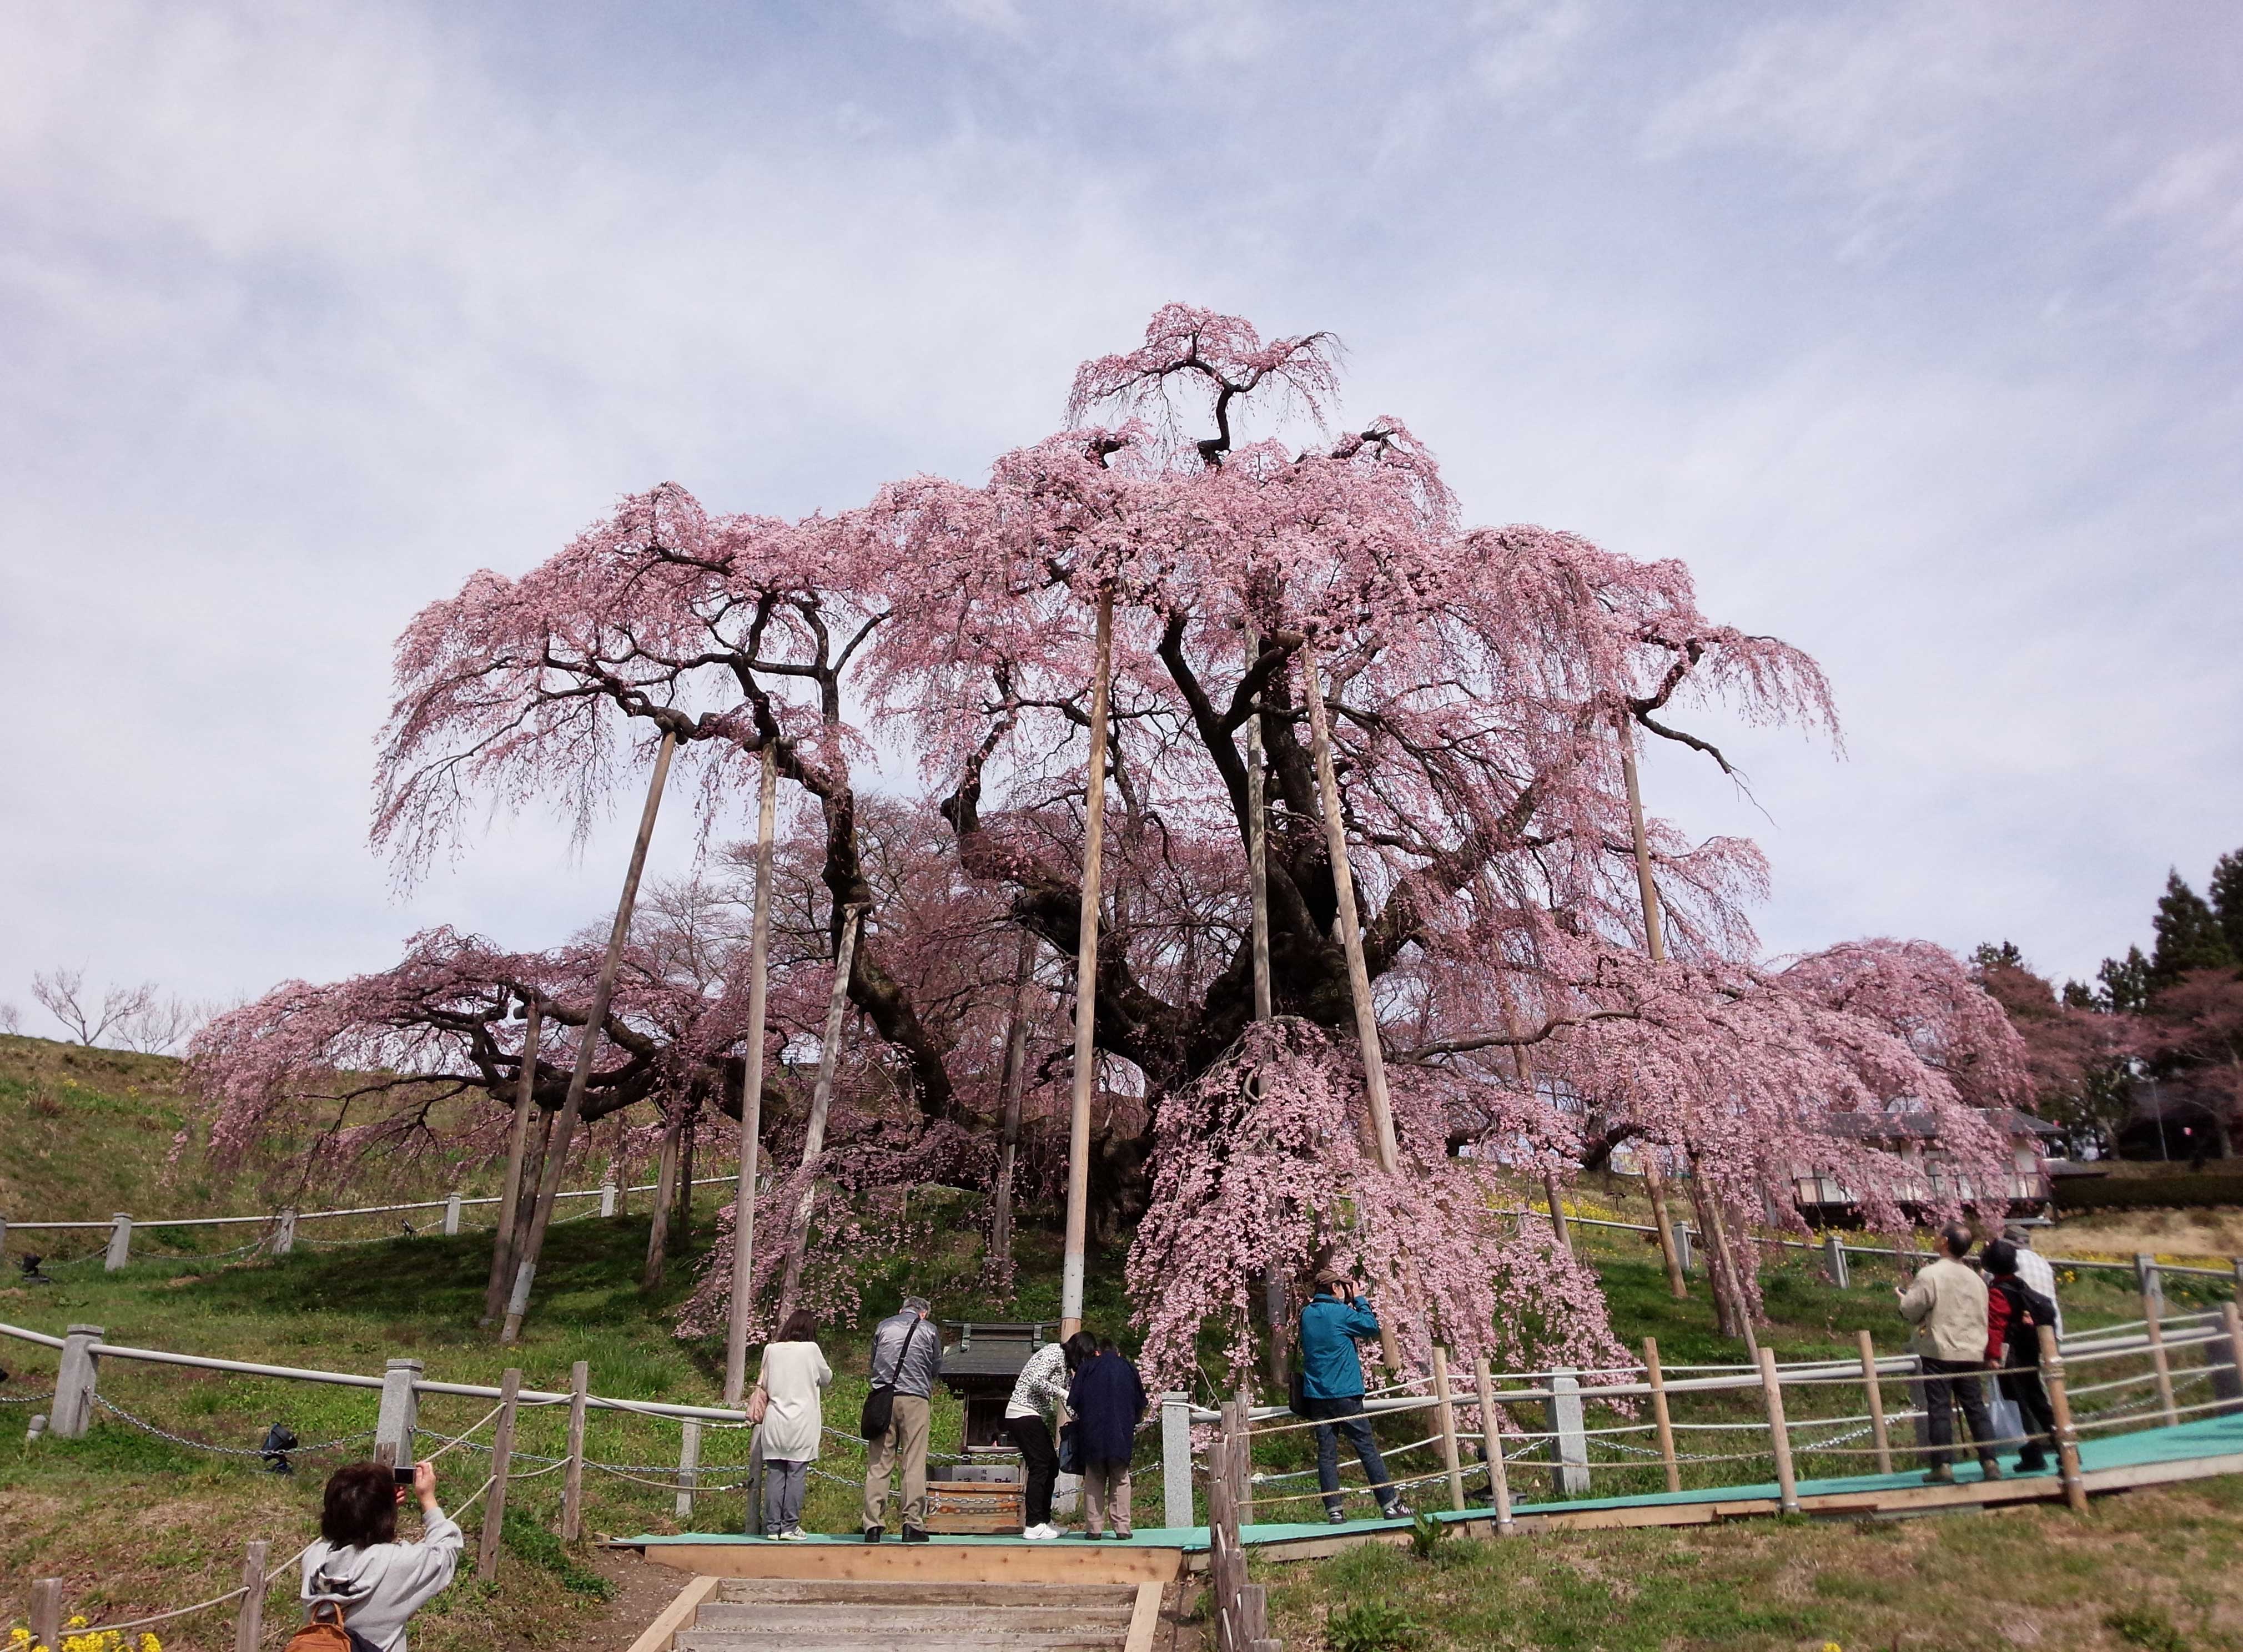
{"type": "Point", "coordinates": [608, 1197]}
{"type": "Point", "coordinates": [1570, 1451]}
{"type": "Point", "coordinates": [689, 1468]}
{"type": "Point", "coordinates": [120, 1243]}
{"type": "Point", "coordinates": [401, 1411]}
{"type": "Point", "coordinates": [2150, 1279]}
{"type": "Point", "coordinates": [452, 1212]}
{"type": "Point", "coordinates": [284, 1232]}
{"type": "Point", "coordinates": [74, 1383]}
{"type": "Point", "coordinates": [1685, 1245]}
{"type": "Point", "coordinates": [1175, 1462]}
{"type": "Point", "coordinates": [1833, 1261]}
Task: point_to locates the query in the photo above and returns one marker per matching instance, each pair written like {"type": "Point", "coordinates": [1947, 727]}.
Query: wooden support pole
{"type": "Point", "coordinates": [1014, 1082]}
{"type": "Point", "coordinates": [1655, 1184]}
{"type": "Point", "coordinates": [588, 1045]}
{"type": "Point", "coordinates": [2232, 1319]}
{"type": "Point", "coordinates": [1351, 937]}
{"type": "Point", "coordinates": [1655, 938]}
{"type": "Point", "coordinates": [665, 1196]}
{"type": "Point", "coordinates": [821, 1104]}
{"type": "Point", "coordinates": [249, 1617]}
{"type": "Point", "coordinates": [518, 1146]}
{"type": "Point", "coordinates": [681, 1225]}
{"type": "Point", "coordinates": [1444, 1409]}
{"type": "Point", "coordinates": [1880, 1435]}
{"type": "Point", "coordinates": [1498, 1478]}
{"type": "Point", "coordinates": [1558, 1223]}
{"type": "Point", "coordinates": [1086, 978]}
{"type": "Point", "coordinates": [752, 1093]}
{"type": "Point", "coordinates": [509, 1389]}
{"type": "Point", "coordinates": [47, 1612]}
{"type": "Point", "coordinates": [572, 1477]}
{"type": "Point", "coordinates": [1779, 1432]}
{"type": "Point", "coordinates": [1243, 1447]}
{"type": "Point", "coordinates": [1257, 844]}
{"type": "Point", "coordinates": [2059, 1406]}
{"type": "Point", "coordinates": [1661, 1418]}
{"type": "Point", "coordinates": [2160, 1362]}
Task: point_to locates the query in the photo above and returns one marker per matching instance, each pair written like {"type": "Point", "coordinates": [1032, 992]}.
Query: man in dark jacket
{"type": "Point", "coordinates": [1332, 1387]}
{"type": "Point", "coordinates": [1108, 1400]}
{"type": "Point", "coordinates": [2015, 1312]}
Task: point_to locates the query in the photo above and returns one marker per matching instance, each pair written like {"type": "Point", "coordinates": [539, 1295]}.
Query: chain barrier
{"type": "Point", "coordinates": [109, 1404]}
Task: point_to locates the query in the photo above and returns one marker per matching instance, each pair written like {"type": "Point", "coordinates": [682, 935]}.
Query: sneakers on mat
{"type": "Point", "coordinates": [1043, 1533]}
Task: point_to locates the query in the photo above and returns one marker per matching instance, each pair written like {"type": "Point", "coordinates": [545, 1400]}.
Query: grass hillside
{"type": "Point", "coordinates": [136, 1521]}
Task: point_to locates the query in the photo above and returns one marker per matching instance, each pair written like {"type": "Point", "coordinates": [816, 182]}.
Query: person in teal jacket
{"type": "Point", "coordinates": [1331, 1389]}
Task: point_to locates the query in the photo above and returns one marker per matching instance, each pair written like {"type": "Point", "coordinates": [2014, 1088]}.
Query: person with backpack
{"type": "Point", "coordinates": [789, 1392]}
{"type": "Point", "coordinates": [906, 1359]}
{"type": "Point", "coordinates": [1108, 1400]}
{"type": "Point", "coordinates": [2015, 1312]}
{"type": "Point", "coordinates": [1331, 1392]}
{"type": "Point", "coordinates": [360, 1584]}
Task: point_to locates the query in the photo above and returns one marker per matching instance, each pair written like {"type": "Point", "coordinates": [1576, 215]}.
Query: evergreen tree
{"type": "Point", "coordinates": [2126, 989]}
{"type": "Point", "coordinates": [2189, 935]}
{"type": "Point", "coordinates": [2079, 996]}
{"type": "Point", "coordinates": [1986, 956]}
{"type": "Point", "coordinates": [2227, 892]}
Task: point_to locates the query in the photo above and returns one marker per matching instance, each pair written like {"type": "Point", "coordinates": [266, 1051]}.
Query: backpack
{"type": "Point", "coordinates": [324, 1634]}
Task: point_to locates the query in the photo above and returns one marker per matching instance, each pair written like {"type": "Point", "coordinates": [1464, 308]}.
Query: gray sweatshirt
{"type": "Point", "coordinates": [381, 1587]}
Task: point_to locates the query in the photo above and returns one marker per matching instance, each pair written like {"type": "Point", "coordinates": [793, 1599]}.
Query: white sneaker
{"type": "Point", "coordinates": [1043, 1533]}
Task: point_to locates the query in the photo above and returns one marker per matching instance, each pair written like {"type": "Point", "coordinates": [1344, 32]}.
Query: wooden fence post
{"type": "Point", "coordinates": [75, 1377]}
{"type": "Point", "coordinates": [1771, 1385]}
{"type": "Point", "coordinates": [120, 1242]}
{"type": "Point", "coordinates": [1879, 1434]}
{"type": "Point", "coordinates": [1660, 1415]}
{"type": "Point", "coordinates": [509, 1390]}
{"type": "Point", "coordinates": [572, 1477]}
{"type": "Point", "coordinates": [2059, 1406]}
{"type": "Point", "coordinates": [249, 1622]}
{"type": "Point", "coordinates": [2160, 1362]}
{"type": "Point", "coordinates": [1499, 1479]}
{"type": "Point", "coordinates": [1242, 1458]}
{"type": "Point", "coordinates": [401, 1410]}
{"type": "Point", "coordinates": [2229, 1317]}
{"type": "Point", "coordinates": [689, 1467]}
{"type": "Point", "coordinates": [1445, 1408]}
{"type": "Point", "coordinates": [47, 1613]}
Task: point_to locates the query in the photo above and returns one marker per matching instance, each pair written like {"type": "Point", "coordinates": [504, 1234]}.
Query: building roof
{"type": "Point", "coordinates": [1914, 1125]}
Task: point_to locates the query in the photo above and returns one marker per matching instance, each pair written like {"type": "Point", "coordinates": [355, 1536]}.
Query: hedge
{"type": "Point", "coordinates": [2159, 1193]}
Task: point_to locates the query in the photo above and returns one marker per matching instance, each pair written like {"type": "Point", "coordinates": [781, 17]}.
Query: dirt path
{"type": "Point", "coordinates": [641, 1591]}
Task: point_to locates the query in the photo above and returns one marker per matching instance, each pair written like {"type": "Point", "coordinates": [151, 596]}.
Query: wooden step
{"type": "Point", "coordinates": [796, 1637]}
{"type": "Point", "coordinates": [758, 1619]}
{"type": "Point", "coordinates": [775, 1590]}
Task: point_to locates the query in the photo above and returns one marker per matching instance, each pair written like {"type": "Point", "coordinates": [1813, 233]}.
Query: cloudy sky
{"type": "Point", "coordinates": [1912, 327]}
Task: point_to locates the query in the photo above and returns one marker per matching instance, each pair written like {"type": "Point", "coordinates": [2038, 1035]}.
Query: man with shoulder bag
{"type": "Point", "coordinates": [906, 1359]}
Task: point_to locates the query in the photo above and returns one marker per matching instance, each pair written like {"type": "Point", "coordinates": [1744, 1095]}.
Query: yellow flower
{"type": "Point", "coordinates": [150, 1644]}
{"type": "Point", "coordinates": [1832, 1646]}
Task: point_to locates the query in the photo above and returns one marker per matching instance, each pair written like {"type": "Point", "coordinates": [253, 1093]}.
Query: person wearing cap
{"type": "Point", "coordinates": [1946, 1303]}
{"type": "Point", "coordinates": [1331, 1391]}
{"type": "Point", "coordinates": [2033, 1268]}
{"type": "Point", "coordinates": [906, 1358]}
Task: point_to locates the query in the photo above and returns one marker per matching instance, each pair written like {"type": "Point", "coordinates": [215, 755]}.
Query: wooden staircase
{"type": "Point", "coordinates": [786, 1615]}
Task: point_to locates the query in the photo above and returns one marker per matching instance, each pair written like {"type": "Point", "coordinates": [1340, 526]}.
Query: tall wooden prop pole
{"type": "Point", "coordinates": [1086, 981]}
{"type": "Point", "coordinates": [821, 1104]}
{"type": "Point", "coordinates": [665, 1199]}
{"type": "Point", "coordinates": [1654, 936]}
{"type": "Point", "coordinates": [517, 1147]}
{"type": "Point", "coordinates": [752, 1094]}
{"type": "Point", "coordinates": [588, 1044]}
{"type": "Point", "coordinates": [1015, 1081]}
{"type": "Point", "coordinates": [1350, 940]}
{"type": "Point", "coordinates": [1274, 1301]}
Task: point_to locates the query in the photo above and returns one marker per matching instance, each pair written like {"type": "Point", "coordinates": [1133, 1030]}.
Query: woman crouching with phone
{"type": "Point", "coordinates": [358, 1577]}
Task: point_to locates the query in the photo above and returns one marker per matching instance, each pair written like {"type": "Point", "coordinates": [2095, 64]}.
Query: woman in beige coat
{"type": "Point", "coordinates": [793, 1381]}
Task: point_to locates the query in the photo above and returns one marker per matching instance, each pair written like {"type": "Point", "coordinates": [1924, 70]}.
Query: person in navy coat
{"type": "Point", "coordinates": [1108, 1400]}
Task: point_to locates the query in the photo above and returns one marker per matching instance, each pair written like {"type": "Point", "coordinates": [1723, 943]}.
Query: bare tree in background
{"type": "Point", "coordinates": [62, 992]}
{"type": "Point", "coordinates": [11, 1018]}
{"type": "Point", "coordinates": [162, 1026]}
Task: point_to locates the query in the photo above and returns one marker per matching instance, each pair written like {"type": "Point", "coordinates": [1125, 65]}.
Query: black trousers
{"type": "Point", "coordinates": [1346, 1417]}
{"type": "Point", "coordinates": [1032, 1439]}
{"type": "Point", "coordinates": [2021, 1386]}
{"type": "Point", "coordinates": [1948, 1383]}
